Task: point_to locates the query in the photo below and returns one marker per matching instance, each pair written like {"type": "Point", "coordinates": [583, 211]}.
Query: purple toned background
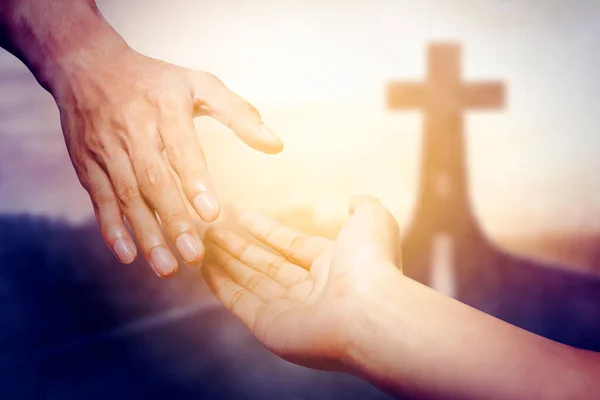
{"type": "Point", "coordinates": [76, 324]}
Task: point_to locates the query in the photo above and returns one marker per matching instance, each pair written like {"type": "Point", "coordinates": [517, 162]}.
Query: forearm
{"type": "Point", "coordinates": [425, 345]}
{"type": "Point", "coordinates": [51, 37]}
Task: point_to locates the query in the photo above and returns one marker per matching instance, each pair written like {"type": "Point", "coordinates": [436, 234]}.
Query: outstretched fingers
{"type": "Point", "coordinates": [258, 283]}
{"type": "Point", "coordinates": [295, 246]}
{"type": "Point", "coordinates": [108, 213]}
{"type": "Point", "coordinates": [186, 156]}
{"type": "Point", "coordinates": [268, 264]}
{"type": "Point", "coordinates": [240, 301]}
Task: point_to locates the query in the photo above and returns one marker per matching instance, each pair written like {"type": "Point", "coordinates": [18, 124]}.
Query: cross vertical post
{"type": "Point", "coordinates": [443, 205]}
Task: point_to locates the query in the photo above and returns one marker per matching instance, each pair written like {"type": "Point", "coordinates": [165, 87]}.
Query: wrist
{"type": "Point", "coordinates": [414, 342]}
{"type": "Point", "coordinates": [57, 39]}
{"type": "Point", "coordinates": [375, 315]}
{"type": "Point", "coordinates": [382, 333]}
{"type": "Point", "coordinates": [81, 63]}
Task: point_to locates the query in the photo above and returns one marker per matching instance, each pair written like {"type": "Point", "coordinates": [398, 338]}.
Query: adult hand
{"type": "Point", "coordinates": [305, 301]}
{"type": "Point", "coordinates": [127, 120]}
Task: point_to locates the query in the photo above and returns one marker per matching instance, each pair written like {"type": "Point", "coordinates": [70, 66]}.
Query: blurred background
{"type": "Point", "coordinates": [76, 324]}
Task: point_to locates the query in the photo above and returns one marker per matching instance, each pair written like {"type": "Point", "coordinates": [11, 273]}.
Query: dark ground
{"type": "Point", "coordinates": [75, 324]}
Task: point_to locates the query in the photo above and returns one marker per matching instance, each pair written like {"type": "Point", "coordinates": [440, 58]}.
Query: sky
{"type": "Point", "coordinates": [318, 70]}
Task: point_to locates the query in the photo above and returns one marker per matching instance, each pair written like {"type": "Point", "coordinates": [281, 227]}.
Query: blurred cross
{"type": "Point", "coordinates": [443, 205]}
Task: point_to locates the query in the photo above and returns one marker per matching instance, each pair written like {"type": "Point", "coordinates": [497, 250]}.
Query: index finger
{"type": "Point", "coordinates": [186, 156]}
{"type": "Point", "coordinates": [270, 264]}
{"type": "Point", "coordinates": [295, 246]}
{"type": "Point", "coordinates": [239, 300]}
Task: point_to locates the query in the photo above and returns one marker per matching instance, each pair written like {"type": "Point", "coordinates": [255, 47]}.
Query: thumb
{"type": "Point", "coordinates": [371, 236]}
{"type": "Point", "coordinates": [211, 97]}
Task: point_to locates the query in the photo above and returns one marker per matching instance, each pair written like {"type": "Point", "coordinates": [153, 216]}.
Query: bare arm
{"type": "Point", "coordinates": [346, 306]}
{"type": "Point", "coordinates": [127, 122]}
{"type": "Point", "coordinates": [50, 36]}
{"type": "Point", "coordinates": [422, 343]}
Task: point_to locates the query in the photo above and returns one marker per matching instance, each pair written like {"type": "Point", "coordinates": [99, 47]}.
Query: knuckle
{"type": "Point", "coordinates": [109, 231]}
{"type": "Point", "coordinates": [170, 101]}
{"type": "Point", "coordinates": [179, 149]}
{"type": "Point", "coordinates": [235, 298]}
{"type": "Point", "coordinates": [274, 267]}
{"type": "Point", "coordinates": [252, 281]}
{"type": "Point", "coordinates": [139, 86]}
{"type": "Point", "coordinates": [169, 109]}
{"type": "Point", "coordinates": [218, 288]}
{"type": "Point", "coordinates": [92, 141]}
{"type": "Point", "coordinates": [297, 243]}
{"type": "Point", "coordinates": [271, 234]}
{"type": "Point", "coordinates": [226, 261]}
{"type": "Point", "coordinates": [128, 195]}
{"type": "Point", "coordinates": [147, 238]}
{"type": "Point", "coordinates": [151, 176]}
{"type": "Point", "coordinates": [121, 121]}
{"type": "Point", "coordinates": [80, 157]}
{"type": "Point", "coordinates": [98, 143]}
{"type": "Point", "coordinates": [239, 254]}
{"type": "Point", "coordinates": [101, 200]}
{"type": "Point", "coordinates": [120, 117]}
{"type": "Point", "coordinates": [124, 116]}
{"type": "Point", "coordinates": [176, 221]}
{"type": "Point", "coordinates": [152, 96]}
{"type": "Point", "coordinates": [207, 92]}
{"type": "Point", "coordinates": [295, 247]}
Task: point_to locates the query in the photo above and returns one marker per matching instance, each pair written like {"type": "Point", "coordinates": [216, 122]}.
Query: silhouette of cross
{"type": "Point", "coordinates": [443, 206]}
{"type": "Point", "coordinates": [444, 92]}
{"type": "Point", "coordinates": [443, 99]}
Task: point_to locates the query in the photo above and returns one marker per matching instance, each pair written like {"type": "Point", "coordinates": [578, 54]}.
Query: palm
{"type": "Point", "coordinates": [288, 289]}
{"type": "Point", "coordinates": [295, 298]}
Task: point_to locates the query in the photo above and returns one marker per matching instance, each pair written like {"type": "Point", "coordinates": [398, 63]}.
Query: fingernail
{"type": "Point", "coordinates": [124, 251]}
{"type": "Point", "coordinates": [275, 144]}
{"type": "Point", "coordinates": [207, 206]}
{"type": "Point", "coordinates": [189, 247]}
{"type": "Point", "coordinates": [162, 261]}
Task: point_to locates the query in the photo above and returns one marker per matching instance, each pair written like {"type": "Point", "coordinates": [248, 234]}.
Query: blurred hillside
{"type": "Point", "coordinates": [578, 252]}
